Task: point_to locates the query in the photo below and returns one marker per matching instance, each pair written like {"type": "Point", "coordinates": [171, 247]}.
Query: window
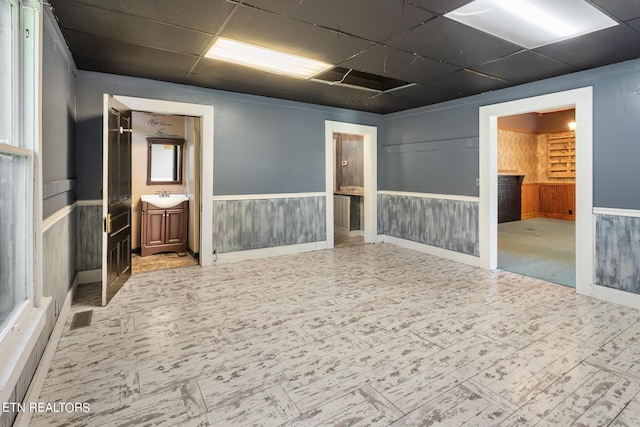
{"type": "Point", "coordinates": [17, 144]}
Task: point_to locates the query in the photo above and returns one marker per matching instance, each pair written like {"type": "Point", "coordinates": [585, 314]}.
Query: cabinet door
{"type": "Point", "coordinates": [155, 227]}
{"type": "Point", "coordinates": [174, 221]}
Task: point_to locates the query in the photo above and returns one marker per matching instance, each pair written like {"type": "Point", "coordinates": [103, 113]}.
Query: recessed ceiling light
{"type": "Point", "coordinates": [265, 59]}
{"type": "Point", "coordinates": [532, 23]}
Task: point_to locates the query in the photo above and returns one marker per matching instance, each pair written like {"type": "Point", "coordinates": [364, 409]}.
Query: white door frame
{"type": "Point", "coordinates": [205, 112]}
{"type": "Point", "coordinates": [370, 135]}
{"type": "Point", "coordinates": [582, 100]}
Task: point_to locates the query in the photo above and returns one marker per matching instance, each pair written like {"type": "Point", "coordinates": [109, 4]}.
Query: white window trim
{"type": "Point", "coordinates": [24, 327]}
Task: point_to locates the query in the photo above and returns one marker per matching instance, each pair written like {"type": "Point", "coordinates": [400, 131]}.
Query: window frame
{"type": "Point", "coordinates": [23, 327]}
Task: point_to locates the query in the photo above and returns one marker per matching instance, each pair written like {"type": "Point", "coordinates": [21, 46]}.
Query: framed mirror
{"type": "Point", "coordinates": [164, 161]}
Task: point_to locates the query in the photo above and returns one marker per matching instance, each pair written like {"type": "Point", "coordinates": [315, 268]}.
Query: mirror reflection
{"type": "Point", "coordinates": [164, 161]}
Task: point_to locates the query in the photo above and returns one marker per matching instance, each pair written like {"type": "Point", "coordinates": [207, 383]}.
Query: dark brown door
{"type": "Point", "coordinates": [117, 198]}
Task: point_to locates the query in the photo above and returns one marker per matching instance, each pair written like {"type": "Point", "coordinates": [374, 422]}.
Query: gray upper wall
{"type": "Point", "coordinates": [262, 145]}
{"type": "Point", "coordinates": [58, 122]}
{"type": "Point", "coordinates": [435, 149]}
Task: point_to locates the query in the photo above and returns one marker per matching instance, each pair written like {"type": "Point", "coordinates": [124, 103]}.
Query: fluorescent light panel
{"type": "Point", "coordinates": [532, 23]}
{"type": "Point", "coordinates": [265, 59]}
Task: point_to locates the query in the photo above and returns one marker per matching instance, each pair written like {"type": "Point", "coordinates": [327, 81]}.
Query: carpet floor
{"type": "Point", "coordinates": [542, 248]}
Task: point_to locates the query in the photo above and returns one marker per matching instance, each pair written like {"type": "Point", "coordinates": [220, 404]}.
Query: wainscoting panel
{"type": "Point", "coordinates": [549, 200]}
{"type": "Point", "coordinates": [617, 252]}
{"type": "Point", "coordinates": [89, 245]}
{"type": "Point", "coordinates": [443, 223]}
{"type": "Point", "coordinates": [265, 223]}
{"type": "Point", "coordinates": [59, 263]}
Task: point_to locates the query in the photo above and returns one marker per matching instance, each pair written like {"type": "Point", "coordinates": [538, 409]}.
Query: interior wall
{"type": "Point", "coordinates": [434, 149]}
{"type": "Point", "coordinates": [58, 125]}
{"type": "Point", "coordinates": [518, 153]}
{"type": "Point", "coordinates": [147, 124]}
{"type": "Point", "coordinates": [262, 145]}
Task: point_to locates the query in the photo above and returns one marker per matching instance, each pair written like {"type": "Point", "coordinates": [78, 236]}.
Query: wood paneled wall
{"type": "Point", "coordinates": [549, 201]}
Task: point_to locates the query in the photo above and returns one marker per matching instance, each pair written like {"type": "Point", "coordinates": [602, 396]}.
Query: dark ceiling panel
{"type": "Point", "coordinates": [135, 70]}
{"type": "Point", "coordinates": [88, 45]}
{"type": "Point", "coordinates": [625, 10]}
{"type": "Point", "coordinates": [390, 62]}
{"type": "Point", "coordinates": [277, 32]}
{"type": "Point", "coordinates": [391, 17]}
{"type": "Point", "coordinates": [464, 83]}
{"type": "Point", "coordinates": [635, 24]}
{"type": "Point", "coordinates": [226, 76]}
{"type": "Point", "coordinates": [381, 41]}
{"type": "Point", "coordinates": [129, 28]}
{"type": "Point", "coordinates": [440, 6]}
{"type": "Point", "coordinates": [425, 94]}
{"type": "Point", "coordinates": [449, 41]}
{"type": "Point", "coordinates": [603, 47]}
{"type": "Point", "coordinates": [201, 15]}
{"type": "Point", "coordinates": [383, 103]}
{"type": "Point", "coordinates": [524, 66]}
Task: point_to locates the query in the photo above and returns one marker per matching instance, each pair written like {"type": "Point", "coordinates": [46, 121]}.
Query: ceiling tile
{"type": "Point", "coordinates": [129, 28]}
{"type": "Point", "coordinates": [201, 15]}
{"type": "Point", "coordinates": [625, 10]}
{"type": "Point", "coordinates": [603, 47]}
{"type": "Point", "coordinates": [524, 66]}
{"type": "Point", "coordinates": [465, 83]}
{"type": "Point", "coordinates": [277, 32]}
{"type": "Point", "coordinates": [88, 45]}
{"type": "Point", "coordinates": [127, 69]}
{"type": "Point", "coordinates": [425, 95]}
{"type": "Point", "coordinates": [449, 41]}
{"type": "Point", "coordinates": [226, 76]}
{"type": "Point", "coordinates": [389, 62]}
{"type": "Point", "coordinates": [635, 24]}
{"type": "Point", "coordinates": [440, 6]}
{"type": "Point", "coordinates": [391, 17]}
{"type": "Point", "coordinates": [383, 104]}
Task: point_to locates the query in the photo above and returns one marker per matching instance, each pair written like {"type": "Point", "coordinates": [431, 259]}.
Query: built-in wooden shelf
{"type": "Point", "coordinates": [561, 155]}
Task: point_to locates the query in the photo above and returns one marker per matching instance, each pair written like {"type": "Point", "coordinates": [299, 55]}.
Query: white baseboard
{"type": "Point", "coordinates": [269, 252]}
{"type": "Point", "coordinates": [615, 296]}
{"type": "Point", "coordinates": [89, 276]}
{"type": "Point", "coordinates": [33, 392]}
{"type": "Point", "coordinates": [431, 250]}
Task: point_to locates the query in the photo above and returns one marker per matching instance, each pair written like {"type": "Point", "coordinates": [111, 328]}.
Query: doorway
{"type": "Point", "coordinates": [348, 195]}
{"type": "Point", "coordinates": [165, 158]}
{"type": "Point", "coordinates": [369, 135]}
{"type": "Point", "coordinates": [205, 113]}
{"type": "Point", "coordinates": [582, 99]}
{"type": "Point", "coordinates": [536, 195]}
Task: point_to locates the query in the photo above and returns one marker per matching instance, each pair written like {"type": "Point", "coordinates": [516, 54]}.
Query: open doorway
{"type": "Point", "coordinates": [348, 195]}
{"type": "Point", "coordinates": [582, 100]}
{"type": "Point", "coordinates": [165, 161]}
{"type": "Point", "coordinates": [536, 195]}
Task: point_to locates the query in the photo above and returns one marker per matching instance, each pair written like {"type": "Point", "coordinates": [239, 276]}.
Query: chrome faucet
{"type": "Point", "coordinates": [164, 193]}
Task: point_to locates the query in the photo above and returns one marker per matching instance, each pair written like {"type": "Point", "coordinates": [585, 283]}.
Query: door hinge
{"type": "Point", "coordinates": [106, 224]}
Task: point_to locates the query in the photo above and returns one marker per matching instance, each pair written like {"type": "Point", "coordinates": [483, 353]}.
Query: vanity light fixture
{"type": "Point", "coordinates": [532, 23]}
{"type": "Point", "coordinates": [265, 59]}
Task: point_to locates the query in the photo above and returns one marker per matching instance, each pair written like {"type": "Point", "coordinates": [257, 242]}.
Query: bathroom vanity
{"type": "Point", "coordinates": [164, 224]}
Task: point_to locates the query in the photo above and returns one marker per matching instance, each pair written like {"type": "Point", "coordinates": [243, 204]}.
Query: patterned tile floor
{"type": "Point", "coordinates": [161, 262]}
{"type": "Point", "coordinates": [361, 335]}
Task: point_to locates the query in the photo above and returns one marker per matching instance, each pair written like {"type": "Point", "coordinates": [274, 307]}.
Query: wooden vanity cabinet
{"type": "Point", "coordinates": [164, 230]}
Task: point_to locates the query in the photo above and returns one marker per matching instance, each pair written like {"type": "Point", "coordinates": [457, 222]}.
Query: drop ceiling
{"type": "Point", "coordinates": [406, 49]}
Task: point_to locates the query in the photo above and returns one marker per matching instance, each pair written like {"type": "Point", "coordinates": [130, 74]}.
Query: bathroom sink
{"type": "Point", "coordinates": [165, 202]}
